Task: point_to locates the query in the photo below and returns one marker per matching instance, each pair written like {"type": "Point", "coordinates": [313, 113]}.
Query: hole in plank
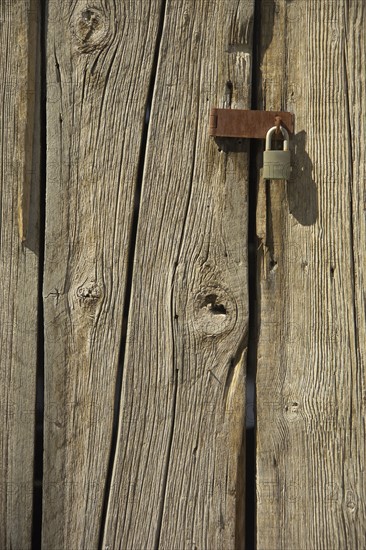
{"type": "Point", "coordinates": [211, 304]}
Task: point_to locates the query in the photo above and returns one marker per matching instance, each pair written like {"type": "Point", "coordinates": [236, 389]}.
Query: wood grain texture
{"type": "Point", "coordinates": [99, 64]}
{"type": "Point", "coordinates": [312, 345]}
{"type": "Point", "coordinates": [179, 470]}
{"type": "Point", "coordinates": [19, 172]}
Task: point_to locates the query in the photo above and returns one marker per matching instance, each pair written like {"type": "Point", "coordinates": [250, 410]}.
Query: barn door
{"type": "Point", "coordinates": [147, 269]}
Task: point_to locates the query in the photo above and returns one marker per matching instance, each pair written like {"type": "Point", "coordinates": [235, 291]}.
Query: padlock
{"type": "Point", "coordinates": [276, 164]}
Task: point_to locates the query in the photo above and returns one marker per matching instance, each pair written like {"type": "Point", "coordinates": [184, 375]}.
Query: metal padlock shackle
{"type": "Point", "coordinates": [269, 137]}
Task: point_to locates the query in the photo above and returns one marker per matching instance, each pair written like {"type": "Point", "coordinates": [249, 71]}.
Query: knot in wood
{"type": "Point", "coordinates": [89, 294]}
{"type": "Point", "coordinates": [214, 311]}
{"type": "Point", "coordinates": [292, 411]}
{"type": "Point", "coordinates": [91, 29]}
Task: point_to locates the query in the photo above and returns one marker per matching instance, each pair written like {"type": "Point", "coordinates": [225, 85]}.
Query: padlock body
{"type": "Point", "coordinates": [276, 165]}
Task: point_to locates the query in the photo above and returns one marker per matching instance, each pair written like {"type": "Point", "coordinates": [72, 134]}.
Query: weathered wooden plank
{"type": "Point", "coordinates": [179, 471]}
{"type": "Point", "coordinates": [19, 174]}
{"type": "Point", "coordinates": [312, 345]}
{"type": "Point", "coordinates": [99, 64]}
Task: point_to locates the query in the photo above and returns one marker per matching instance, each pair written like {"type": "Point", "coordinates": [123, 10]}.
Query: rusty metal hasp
{"type": "Point", "coordinates": [241, 123]}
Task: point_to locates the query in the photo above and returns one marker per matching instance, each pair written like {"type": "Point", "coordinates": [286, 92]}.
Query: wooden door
{"type": "Point", "coordinates": [147, 270]}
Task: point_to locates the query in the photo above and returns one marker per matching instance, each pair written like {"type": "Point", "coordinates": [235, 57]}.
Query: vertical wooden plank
{"type": "Point", "coordinates": [19, 173]}
{"type": "Point", "coordinates": [178, 479]}
{"type": "Point", "coordinates": [311, 355]}
{"type": "Point", "coordinates": [99, 64]}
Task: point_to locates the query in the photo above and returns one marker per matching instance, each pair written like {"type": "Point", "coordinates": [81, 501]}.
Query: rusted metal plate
{"type": "Point", "coordinates": [240, 123]}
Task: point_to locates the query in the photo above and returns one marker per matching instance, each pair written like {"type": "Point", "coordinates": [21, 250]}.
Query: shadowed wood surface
{"type": "Point", "coordinates": [19, 171]}
{"type": "Point", "coordinates": [178, 478]}
{"type": "Point", "coordinates": [311, 232]}
{"type": "Point", "coordinates": [98, 71]}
